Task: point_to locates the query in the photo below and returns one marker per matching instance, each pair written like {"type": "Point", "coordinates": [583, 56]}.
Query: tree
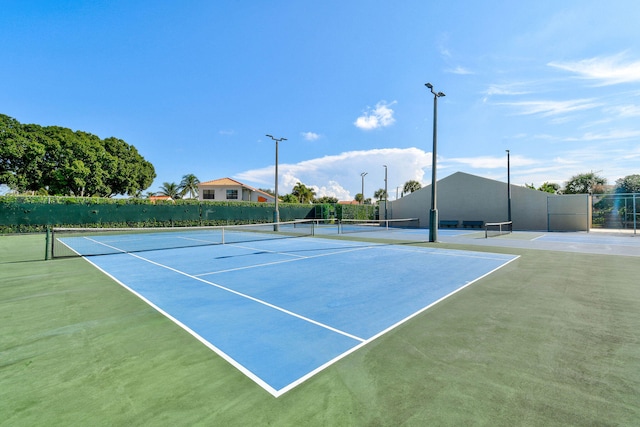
{"type": "Point", "coordinates": [380, 194]}
{"type": "Point", "coordinates": [170, 189]}
{"type": "Point", "coordinates": [547, 187]}
{"type": "Point", "coordinates": [189, 185]}
{"type": "Point", "coordinates": [585, 183]}
{"type": "Point", "coordinates": [289, 198]}
{"type": "Point", "coordinates": [326, 199]}
{"type": "Point", "coordinates": [59, 161]}
{"type": "Point", "coordinates": [359, 198]}
{"type": "Point", "coordinates": [550, 187]}
{"type": "Point", "coordinates": [411, 186]}
{"type": "Point", "coordinates": [303, 193]}
{"type": "Point", "coordinates": [268, 191]}
{"type": "Point", "coordinates": [628, 184]}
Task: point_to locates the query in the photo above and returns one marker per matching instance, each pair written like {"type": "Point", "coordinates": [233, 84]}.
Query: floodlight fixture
{"type": "Point", "coordinates": [433, 213]}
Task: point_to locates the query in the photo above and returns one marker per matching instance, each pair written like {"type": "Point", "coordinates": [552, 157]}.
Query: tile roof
{"type": "Point", "coordinates": [224, 181]}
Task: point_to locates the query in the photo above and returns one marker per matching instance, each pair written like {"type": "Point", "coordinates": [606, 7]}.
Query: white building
{"type": "Point", "coordinates": [464, 198]}
{"type": "Point", "coordinates": [227, 189]}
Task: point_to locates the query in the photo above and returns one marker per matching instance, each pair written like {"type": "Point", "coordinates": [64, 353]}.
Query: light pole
{"type": "Point", "coordinates": [433, 214]}
{"type": "Point", "coordinates": [508, 187]}
{"type": "Point", "coordinates": [276, 214]}
{"type": "Point", "coordinates": [386, 195]}
{"type": "Point", "coordinates": [363, 175]}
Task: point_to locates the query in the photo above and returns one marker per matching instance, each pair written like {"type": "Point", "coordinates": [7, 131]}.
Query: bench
{"type": "Point", "coordinates": [472, 224]}
{"type": "Point", "coordinates": [449, 223]}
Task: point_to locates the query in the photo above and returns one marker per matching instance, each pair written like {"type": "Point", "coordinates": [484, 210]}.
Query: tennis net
{"type": "Point", "coordinates": [493, 229]}
{"type": "Point", "coordinates": [363, 226]}
{"type": "Point", "coordinates": [68, 242]}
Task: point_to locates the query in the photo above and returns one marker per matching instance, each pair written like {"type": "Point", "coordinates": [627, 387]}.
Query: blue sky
{"type": "Point", "coordinates": [195, 86]}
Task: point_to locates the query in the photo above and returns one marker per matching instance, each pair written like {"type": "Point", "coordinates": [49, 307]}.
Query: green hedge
{"type": "Point", "coordinates": [20, 214]}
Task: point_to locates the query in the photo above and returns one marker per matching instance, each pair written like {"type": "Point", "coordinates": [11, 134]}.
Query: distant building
{"type": "Point", "coordinates": [463, 197]}
{"type": "Point", "coordinates": [153, 199]}
{"type": "Point", "coordinates": [227, 189]}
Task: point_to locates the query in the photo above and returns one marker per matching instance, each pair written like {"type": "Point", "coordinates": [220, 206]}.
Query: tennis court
{"type": "Point", "coordinates": [550, 339]}
{"type": "Point", "coordinates": [282, 309]}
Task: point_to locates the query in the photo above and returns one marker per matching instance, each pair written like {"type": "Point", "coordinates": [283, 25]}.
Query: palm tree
{"type": "Point", "coordinates": [380, 194]}
{"type": "Point", "coordinates": [359, 198]}
{"type": "Point", "coordinates": [303, 193]}
{"type": "Point", "coordinates": [411, 186]}
{"type": "Point", "coordinates": [170, 189]}
{"type": "Point", "coordinates": [189, 184]}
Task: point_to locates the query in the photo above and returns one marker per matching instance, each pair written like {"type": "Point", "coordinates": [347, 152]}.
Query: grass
{"type": "Point", "coordinates": [550, 339]}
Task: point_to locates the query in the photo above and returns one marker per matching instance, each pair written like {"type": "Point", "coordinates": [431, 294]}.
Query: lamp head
{"type": "Point", "coordinates": [440, 94]}
{"type": "Point", "coordinates": [429, 85]}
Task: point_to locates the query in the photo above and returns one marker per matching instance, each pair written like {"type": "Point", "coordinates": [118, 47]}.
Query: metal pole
{"type": "Point", "coordinates": [634, 214]}
{"type": "Point", "coordinates": [433, 214]}
{"type": "Point", "coordinates": [508, 186]}
{"type": "Point", "coordinates": [386, 195]}
{"type": "Point", "coordinates": [276, 213]}
{"type": "Point", "coordinates": [363, 175]}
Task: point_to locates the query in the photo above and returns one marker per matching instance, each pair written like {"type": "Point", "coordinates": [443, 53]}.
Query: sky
{"type": "Point", "coordinates": [196, 85]}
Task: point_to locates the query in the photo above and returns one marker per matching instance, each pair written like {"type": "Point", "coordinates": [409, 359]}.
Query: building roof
{"type": "Point", "coordinates": [229, 181]}
{"type": "Point", "coordinates": [224, 181]}
{"type": "Point", "coordinates": [154, 198]}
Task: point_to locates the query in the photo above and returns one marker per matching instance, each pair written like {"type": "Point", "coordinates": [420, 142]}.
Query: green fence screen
{"type": "Point", "coordinates": [20, 214]}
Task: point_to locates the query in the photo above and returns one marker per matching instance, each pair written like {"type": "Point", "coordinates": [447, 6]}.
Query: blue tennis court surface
{"type": "Point", "coordinates": [282, 310]}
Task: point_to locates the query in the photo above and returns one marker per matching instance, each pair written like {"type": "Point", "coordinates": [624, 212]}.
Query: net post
{"type": "Point", "coordinates": [222, 235]}
{"type": "Point", "coordinates": [46, 243]}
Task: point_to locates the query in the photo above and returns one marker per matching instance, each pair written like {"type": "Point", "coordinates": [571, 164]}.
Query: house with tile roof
{"type": "Point", "coordinates": [227, 189]}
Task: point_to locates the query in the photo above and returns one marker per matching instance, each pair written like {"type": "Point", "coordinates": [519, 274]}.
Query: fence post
{"type": "Point", "coordinates": [46, 244]}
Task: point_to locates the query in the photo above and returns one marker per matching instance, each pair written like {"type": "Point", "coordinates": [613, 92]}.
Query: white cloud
{"type": "Point", "coordinates": [609, 70]}
{"type": "Point", "coordinates": [506, 89]}
{"type": "Point", "coordinates": [461, 70]}
{"type": "Point", "coordinates": [310, 136]}
{"type": "Point", "coordinates": [629, 110]}
{"type": "Point", "coordinates": [611, 135]}
{"type": "Point", "coordinates": [339, 175]}
{"type": "Point", "coordinates": [551, 108]}
{"type": "Point", "coordinates": [381, 116]}
{"type": "Point", "coordinates": [332, 189]}
{"type": "Point", "coordinates": [492, 162]}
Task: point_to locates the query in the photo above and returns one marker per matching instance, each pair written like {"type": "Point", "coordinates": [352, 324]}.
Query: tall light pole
{"type": "Point", "coordinates": [433, 214]}
{"type": "Point", "coordinates": [508, 187]}
{"type": "Point", "coordinates": [363, 174]}
{"type": "Point", "coordinates": [386, 195]}
{"type": "Point", "coordinates": [276, 214]}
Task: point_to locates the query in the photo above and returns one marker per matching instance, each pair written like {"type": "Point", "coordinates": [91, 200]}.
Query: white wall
{"type": "Point", "coordinates": [244, 194]}
{"type": "Point", "coordinates": [468, 197]}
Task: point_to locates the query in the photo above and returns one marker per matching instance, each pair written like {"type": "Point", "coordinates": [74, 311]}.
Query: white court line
{"type": "Point", "coordinates": [361, 341]}
{"type": "Point", "coordinates": [448, 252]}
{"type": "Point", "coordinates": [243, 295]}
{"type": "Point", "coordinates": [301, 257]}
